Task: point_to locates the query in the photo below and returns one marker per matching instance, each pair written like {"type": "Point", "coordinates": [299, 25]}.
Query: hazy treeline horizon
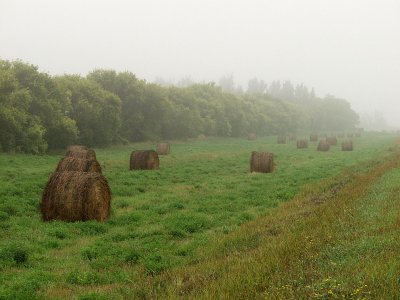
{"type": "Point", "coordinates": [40, 112]}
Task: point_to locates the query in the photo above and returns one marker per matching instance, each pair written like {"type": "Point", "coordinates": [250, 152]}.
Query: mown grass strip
{"type": "Point", "coordinates": [292, 252]}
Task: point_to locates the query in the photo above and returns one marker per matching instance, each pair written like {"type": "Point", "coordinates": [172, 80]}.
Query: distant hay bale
{"type": "Point", "coordinates": [144, 160]}
{"type": "Point", "coordinates": [262, 162]}
{"type": "Point", "coordinates": [347, 145]}
{"type": "Point", "coordinates": [201, 137]}
{"type": "Point", "coordinates": [252, 136]}
{"type": "Point", "coordinates": [163, 148]}
{"type": "Point", "coordinates": [69, 163]}
{"type": "Point", "coordinates": [76, 196]}
{"type": "Point", "coordinates": [314, 137]}
{"type": "Point", "coordinates": [302, 144]}
{"type": "Point", "coordinates": [323, 146]}
{"type": "Point", "coordinates": [81, 152]}
{"type": "Point", "coordinates": [281, 139]}
{"type": "Point", "coordinates": [331, 140]}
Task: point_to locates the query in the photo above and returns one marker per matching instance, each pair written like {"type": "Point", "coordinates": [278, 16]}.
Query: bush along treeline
{"type": "Point", "coordinates": [39, 112]}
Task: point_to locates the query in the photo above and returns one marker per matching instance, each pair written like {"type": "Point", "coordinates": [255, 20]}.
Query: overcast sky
{"type": "Point", "coordinates": [349, 48]}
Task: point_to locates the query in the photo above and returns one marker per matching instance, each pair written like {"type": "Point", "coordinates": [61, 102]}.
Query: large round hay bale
{"type": "Point", "coordinates": [347, 145]}
{"type": "Point", "coordinates": [314, 137]}
{"type": "Point", "coordinates": [331, 140]}
{"type": "Point", "coordinates": [144, 160]}
{"type": "Point", "coordinates": [81, 152]}
{"type": "Point", "coordinates": [163, 148]}
{"type": "Point", "coordinates": [252, 136]}
{"type": "Point", "coordinates": [323, 146]}
{"type": "Point", "coordinates": [69, 163]}
{"type": "Point", "coordinates": [302, 144]}
{"type": "Point", "coordinates": [262, 162]}
{"type": "Point", "coordinates": [281, 139]}
{"type": "Point", "coordinates": [76, 196]}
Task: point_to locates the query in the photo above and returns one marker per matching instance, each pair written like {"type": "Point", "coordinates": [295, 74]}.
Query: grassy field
{"type": "Point", "coordinates": [196, 227]}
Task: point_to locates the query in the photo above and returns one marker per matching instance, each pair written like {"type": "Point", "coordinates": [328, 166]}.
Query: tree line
{"type": "Point", "coordinates": [39, 112]}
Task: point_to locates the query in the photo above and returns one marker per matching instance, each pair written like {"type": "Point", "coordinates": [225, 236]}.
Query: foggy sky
{"type": "Point", "coordinates": [349, 48]}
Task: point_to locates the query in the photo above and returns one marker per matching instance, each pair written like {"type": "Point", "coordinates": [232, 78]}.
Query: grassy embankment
{"type": "Point", "coordinates": [191, 216]}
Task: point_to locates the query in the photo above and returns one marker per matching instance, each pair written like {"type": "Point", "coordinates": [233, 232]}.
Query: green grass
{"type": "Point", "coordinates": [161, 220]}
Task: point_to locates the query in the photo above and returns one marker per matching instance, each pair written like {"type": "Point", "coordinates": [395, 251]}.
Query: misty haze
{"type": "Point", "coordinates": [199, 149]}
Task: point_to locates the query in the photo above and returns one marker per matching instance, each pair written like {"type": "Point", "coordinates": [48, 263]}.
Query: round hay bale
{"type": "Point", "coordinates": [314, 137]}
{"type": "Point", "coordinates": [323, 146]}
{"type": "Point", "coordinates": [281, 139]}
{"type": "Point", "coordinates": [163, 148]}
{"type": "Point", "coordinates": [144, 160]}
{"type": "Point", "coordinates": [81, 152]}
{"type": "Point", "coordinates": [347, 145]}
{"type": "Point", "coordinates": [76, 196]}
{"type": "Point", "coordinates": [302, 144]}
{"type": "Point", "coordinates": [69, 163]}
{"type": "Point", "coordinates": [252, 136]}
{"type": "Point", "coordinates": [332, 140]}
{"type": "Point", "coordinates": [201, 137]}
{"type": "Point", "coordinates": [262, 162]}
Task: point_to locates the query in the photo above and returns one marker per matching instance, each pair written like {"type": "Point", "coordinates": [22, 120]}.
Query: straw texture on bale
{"type": "Point", "coordinates": [302, 144]}
{"type": "Point", "coordinates": [144, 160]}
{"type": "Point", "coordinates": [347, 145]}
{"type": "Point", "coordinates": [332, 140]}
{"type": "Point", "coordinates": [76, 196]}
{"type": "Point", "coordinates": [251, 136]}
{"type": "Point", "coordinates": [281, 139]}
{"type": "Point", "coordinates": [163, 148]}
{"type": "Point", "coordinates": [323, 146]}
{"type": "Point", "coordinates": [262, 162]}
{"type": "Point", "coordinates": [81, 152]}
{"type": "Point", "coordinates": [314, 137]}
{"type": "Point", "coordinates": [78, 164]}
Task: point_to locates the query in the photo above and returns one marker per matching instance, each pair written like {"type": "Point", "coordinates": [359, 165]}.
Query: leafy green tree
{"type": "Point", "coordinates": [19, 130]}
{"type": "Point", "coordinates": [131, 92]}
{"type": "Point", "coordinates": [95, 110]}
{"type": "Point", "coordinates": [256, 86]}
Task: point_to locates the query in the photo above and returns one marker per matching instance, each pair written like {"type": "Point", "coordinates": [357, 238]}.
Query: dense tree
{"type": "Point", "coordinates": [95, 110]}
{"type": "Point", "coordinates": [131, 92]}
{"type": "Point", "coordinates": [256, 86]}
